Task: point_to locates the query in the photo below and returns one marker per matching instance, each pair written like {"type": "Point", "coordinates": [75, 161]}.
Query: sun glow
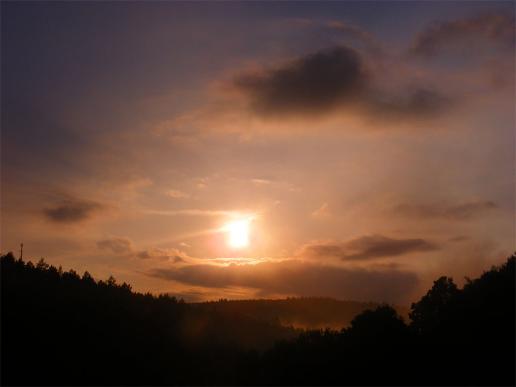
{"type": "Point", "coordinates": [238, 233]}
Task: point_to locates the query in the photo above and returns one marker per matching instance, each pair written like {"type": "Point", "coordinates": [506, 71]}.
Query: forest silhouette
{"type": "Point", "coordinates": [59, 328]}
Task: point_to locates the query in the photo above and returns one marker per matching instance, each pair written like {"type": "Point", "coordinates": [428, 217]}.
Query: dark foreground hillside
{"type": "Point", "coordinates": [62, 329]}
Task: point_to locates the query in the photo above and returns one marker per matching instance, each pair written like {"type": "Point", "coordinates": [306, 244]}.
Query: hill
{"type": "Point", "coordinates": [71, 329]}
{"type": "Point", "coordinates": [455, 337]}
{"type": "Point", "coordinates": [302, 313]}
{"type": "Point", "coordinates": [59, 328]}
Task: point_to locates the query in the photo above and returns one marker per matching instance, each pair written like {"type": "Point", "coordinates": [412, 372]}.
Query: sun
{"type": "Point", "coordinates": [238, 233]}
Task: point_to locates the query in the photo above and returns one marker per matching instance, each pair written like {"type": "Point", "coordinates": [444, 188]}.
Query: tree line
{"type": "Point", "coordinates": [59, 328]}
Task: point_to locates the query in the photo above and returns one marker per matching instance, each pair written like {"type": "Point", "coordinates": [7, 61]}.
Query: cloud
{"type": "Point", "coordinates": [260, 182]}
{"type": "Point", "coordinates": [457, 212]}
{"type": "Point", "coordinates": [192, 212]}
{"type": "Point", "coordinates": [118, 245]}
{"type": "Point", "coordinates": [355, 32]}
{"type": "Point", "coordinates": [459, 238]}
{"type": "Point", "coordinates": [322, 211]}
{"type": "Point", "coordinates": [176, 194]}
{"type": "Point", "coordinates": [331, 81]}
{"type": "Point", "coordinates": [419, 102]}
{"type": "Point", "coordinates": [494, 27]}
{"type": "Point", "coordinates": [312, 84]}
{"type": "Point", "coordinates": [367, 247]}
{"type": "Point", "coordinates": [202, 183]}
{"type": "Point", "coordinates": [122, 245]}
{"type": "Point", "coordinates": [72, 211]}
{"type": "Point", "coordinates": [317, 33]}
{"type": "Point", "coordinates": [300, 278]}
{"type": "Point", "coordinates": [173, 255]}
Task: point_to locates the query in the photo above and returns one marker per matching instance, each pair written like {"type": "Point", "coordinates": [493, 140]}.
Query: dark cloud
{"type": "Point", "coordinates": [368, 247]}
{"type": "Point", "coordinates": [117, 245]}
{"type": "Point", "coordinates": [459, 238]}
{"type": "Point", "coordinates": [464, 211]}
{"type": "Point", "coordinates": [417, 103]}
{"type": "Point", "coordinates": [300, 278]}
{"type": "Point", "coordinates": [380, 246]}
{"type": "Point", "coordinates": [173, 255]}
{"type": "Point", "coordinates": [494, 27]}
{"type": "Point", "coordinates": [72, 211]}
{"type": "Point", "coordinates": [333, 80]}
{"type": "Point", "coordinates": [144, 254]}
{"type": "Point", "coordinates": [313, 84]}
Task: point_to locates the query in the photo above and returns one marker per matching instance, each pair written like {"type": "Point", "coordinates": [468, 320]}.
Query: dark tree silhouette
{"type": "Point", "coordinates": [431, 311]}
{"type": "Point", "coordinates": [59, 328]}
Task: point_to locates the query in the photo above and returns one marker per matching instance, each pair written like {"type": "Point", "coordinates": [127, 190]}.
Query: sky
{"type": "Point", "coordinates": [367, 146]}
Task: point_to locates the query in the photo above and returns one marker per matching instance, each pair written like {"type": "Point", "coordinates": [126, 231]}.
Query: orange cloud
{"type": "Point", "coordinates": [72, 210]}
{"type": "Point", "coordinates": [296, 277]}
{"type": "Point", "coordinates": [367, 247]}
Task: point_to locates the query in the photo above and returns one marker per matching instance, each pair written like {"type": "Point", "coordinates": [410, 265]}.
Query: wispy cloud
{"type": "Point", "coordinates": [72, 210]}
{"type": "Point", "coordinates": [117, 245]}
{"type": "Point", "coordinates": [457, 212]}
{"type": "Point", "coordinates": [171, 255]}
{"type": "Point", "coordinates": [193, 212]}
{"type": "Point", "coordinates": [493, 27]}
{"type": "Point", "coordinates": [259, 182]}
{"type": "Point", "coordinates": [367, 247]}
{"type": "Point", "coordinates": [176, 194]}
{"type": "Point", "coordinates": [322, 211]}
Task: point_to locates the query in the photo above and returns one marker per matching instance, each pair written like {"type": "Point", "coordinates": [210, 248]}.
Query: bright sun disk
{"type": "Point", "coordinates": [238, 232]}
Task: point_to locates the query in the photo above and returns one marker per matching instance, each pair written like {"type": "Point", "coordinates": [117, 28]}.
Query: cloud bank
{"type": "Point", "coordinates": [457, 212]}
{"type": "Point", "coordinates": [367, 247]}
{"type": "Point", "coordinates": [296, 277]}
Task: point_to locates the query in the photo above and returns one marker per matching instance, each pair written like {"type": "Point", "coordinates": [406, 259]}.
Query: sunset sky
{"type": "Point", "coordinates": [368, 147]}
